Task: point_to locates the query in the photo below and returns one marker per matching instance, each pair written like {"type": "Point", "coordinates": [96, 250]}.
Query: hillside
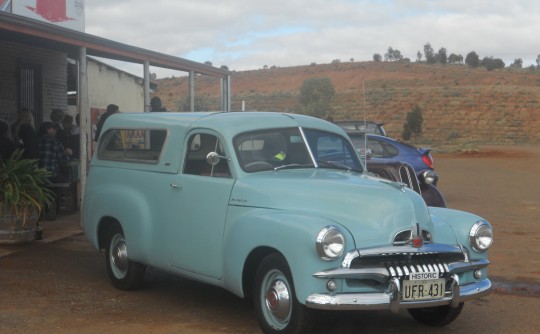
{"type": "Point", "coordinates": [459, 104]}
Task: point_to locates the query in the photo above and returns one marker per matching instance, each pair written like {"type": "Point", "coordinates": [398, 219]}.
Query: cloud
{"type": "Point", "coordinates": [245, 34]}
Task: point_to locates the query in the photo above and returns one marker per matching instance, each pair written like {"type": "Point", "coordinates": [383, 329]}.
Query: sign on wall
{"type": "Point", "coordinates": [66, 13]}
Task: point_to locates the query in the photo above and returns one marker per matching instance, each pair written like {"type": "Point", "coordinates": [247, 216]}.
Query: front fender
{"type": "Point", "coordinates": [461, 223]}
{"type": "Point", "coordinates": [292, 234]}
{"type": "Point", "coordinates": [132, 212]}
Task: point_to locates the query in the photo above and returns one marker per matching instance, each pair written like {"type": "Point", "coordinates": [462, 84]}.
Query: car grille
{"type": "Point", "coordinates": [403, 264]}
{"type": "Point", "coordinates": [408, 176]}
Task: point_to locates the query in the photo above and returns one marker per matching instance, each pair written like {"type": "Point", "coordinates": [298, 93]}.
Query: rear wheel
{"type": "Point", "coordinates": [275, 301]}
{"type": "Point", "coordinates": [124, 273]}
{"type": "Point", "coordinates": [436, 316]}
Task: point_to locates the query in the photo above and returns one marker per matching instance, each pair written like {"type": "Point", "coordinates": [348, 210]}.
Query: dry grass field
{"type": "Point", "coordinates": [460, 105]}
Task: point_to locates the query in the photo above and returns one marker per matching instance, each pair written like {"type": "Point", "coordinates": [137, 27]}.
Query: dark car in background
{"type": "Point", "coordinates": [403, 172]}
{"type": "Point", "coordinates": [395, 160]}
{"type": "Point", "coordinates": [386, 149]}
{"type": "Point", "coordinates": [370, 127]}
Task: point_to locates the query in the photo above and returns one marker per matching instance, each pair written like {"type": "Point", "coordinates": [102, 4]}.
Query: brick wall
{"type": "Point", "coordinates": [54, 75]}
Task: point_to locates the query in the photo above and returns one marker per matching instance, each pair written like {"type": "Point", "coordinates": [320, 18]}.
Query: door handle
{"type": "Point", "coordinates": [175, 186]}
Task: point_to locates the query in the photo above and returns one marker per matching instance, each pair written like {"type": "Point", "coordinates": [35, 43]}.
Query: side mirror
{"type": "Point", "coordinates": [213, 158]}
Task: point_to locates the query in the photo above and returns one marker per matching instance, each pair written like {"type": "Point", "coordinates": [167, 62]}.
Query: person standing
{"type": "Point", "coordinates": [111, 109]}
{"type": "Point", "coordinates": [52, 153]}
{"type": "Point", "coordinates": [57, 117]}
{"type": "Point", "coordinates": [24, 135]}
{"type": "Point", "coordinates": [155, 105]}
{"type": "Point", "coordinates": [7, 146]}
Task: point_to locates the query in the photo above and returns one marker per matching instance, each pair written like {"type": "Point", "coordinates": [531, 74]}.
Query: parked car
{"type": "Point", "coordinates": [403, 172]}
{"type": "Point", "coordinates": [387, 153]}
{"type": "Point", "coordinates": [277, 208]}
{"type": "Point", "coordinates": [370, 127]}
{"type": "Point", "coordinates": [387, 149]}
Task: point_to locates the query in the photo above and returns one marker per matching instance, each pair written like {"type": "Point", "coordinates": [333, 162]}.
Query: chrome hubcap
{"type": "Point", "coordinates": [119, 256]}
{"type": "Point", "coordinates": [278, 299]}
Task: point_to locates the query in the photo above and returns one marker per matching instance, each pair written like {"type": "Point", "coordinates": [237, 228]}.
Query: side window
{"type": "Point", "coordinates": [390, 151]}
{"type": "Point", "coordinates": [132, 145]}
{"type": "Point", "coordinates": [376, 147]}
{"type": "Point", "coordinates": [199, 146]}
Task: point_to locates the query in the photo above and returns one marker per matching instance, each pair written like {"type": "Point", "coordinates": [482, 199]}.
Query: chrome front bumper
{"type": "Point", "coordinates": [391, 299]}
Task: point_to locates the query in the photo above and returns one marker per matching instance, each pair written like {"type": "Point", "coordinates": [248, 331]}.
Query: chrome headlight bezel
{"type": "Point", "coordinates": [428, 176]}
{"type": "Point", "coordinates": [481, 236]}
{"type": "Point", "coordinates": [330, 243]}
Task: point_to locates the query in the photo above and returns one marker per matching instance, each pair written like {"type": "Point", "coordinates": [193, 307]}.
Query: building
{"type": "Point", "coordinates": [38, 41]}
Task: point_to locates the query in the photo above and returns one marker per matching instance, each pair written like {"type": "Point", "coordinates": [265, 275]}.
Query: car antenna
{"type": "Point", "coordinates": [365, 128]}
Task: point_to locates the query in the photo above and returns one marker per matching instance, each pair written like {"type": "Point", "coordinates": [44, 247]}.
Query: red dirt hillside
{"type": "Point", "coordinates": [459, 104]}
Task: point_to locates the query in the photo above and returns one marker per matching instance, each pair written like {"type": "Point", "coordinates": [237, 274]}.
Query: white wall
{"type": "Point", "coordinates": [109, 85]}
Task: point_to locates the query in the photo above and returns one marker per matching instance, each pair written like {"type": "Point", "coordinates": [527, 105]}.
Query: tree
{"type": "Point", "coordinates": [491, 63]}
{"type": "Point", "coordinates": [315, 97]}
{"type": "Point", "coordinates": [393, 55]}
{"type": "Point", "coordinates": [538, 61]}
{"type": "Point", "coordinates": [455, 59]}
{"type": "Point", "coordinates": [441, 57]}
{"type": "Point", "coordinates": [429, 54]}
{"type": "Point", "coordinates": [377, 57]}
{"type": "Point", "coordinates": [419, 57]}
{"type": "Point", "coordinates": [413, 124]}
{"type": "Point", "coordinates": [518, 63]}
{"type": "Point", "coordinates": [208, 62]}
{"type": "Point", "coordinates": [389, 56]}
{"type": "Point", "coordinates": [224, 67]}
{"type": "Point", "coordinates": [472, 59]}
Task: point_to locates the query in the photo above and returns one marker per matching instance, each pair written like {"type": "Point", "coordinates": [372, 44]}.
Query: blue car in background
{"type": "Point", "coordinates": [388, 149]}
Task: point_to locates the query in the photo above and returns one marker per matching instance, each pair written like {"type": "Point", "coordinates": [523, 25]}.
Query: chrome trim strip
{"type": "Point", "coordinates": [390, 298]}
{"type": "Point", "coordinates": [399, 250]}
{"type": "Point", "coordinates": [381, 273]}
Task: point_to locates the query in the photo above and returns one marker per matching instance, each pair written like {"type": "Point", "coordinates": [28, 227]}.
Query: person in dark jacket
{"type": "Point", "coordinates": [111, 109]}
{"type": "Point", "coordinates": [24, 135]}
{"type": "Point", "coordinates": [7, 146]}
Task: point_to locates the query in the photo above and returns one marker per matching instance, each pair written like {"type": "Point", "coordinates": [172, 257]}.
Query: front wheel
{"type": "Point", "coordinates": [438, 316]}
{"type": "Point", "coordinates": [124, 273]}
{"type": "Point", "coordinates": [275, 301]}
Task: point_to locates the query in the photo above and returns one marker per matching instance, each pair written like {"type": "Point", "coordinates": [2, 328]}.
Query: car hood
{"type": "Point", "coordinates": [372, 209]}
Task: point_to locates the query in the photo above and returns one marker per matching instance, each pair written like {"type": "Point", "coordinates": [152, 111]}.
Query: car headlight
{"type": "Point", "coordinates": [429, 176]}
{"type": "Point", "coordinates": [330, 243]}
{"type": "Point", "coordinates": [481, 236]}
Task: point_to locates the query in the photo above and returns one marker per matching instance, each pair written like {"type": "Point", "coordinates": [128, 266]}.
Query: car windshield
{"type": "Point", "coordinates": [286, 148]}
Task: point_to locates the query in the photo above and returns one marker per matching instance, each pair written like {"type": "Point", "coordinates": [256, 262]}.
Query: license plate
{"type": "Point", "coordinates": [423, 289]}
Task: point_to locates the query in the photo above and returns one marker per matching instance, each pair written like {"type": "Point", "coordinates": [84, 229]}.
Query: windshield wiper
{"type": "Point", "coordinates": [292, 166]}
{"type": "Point", "coordinates": [336, 164]}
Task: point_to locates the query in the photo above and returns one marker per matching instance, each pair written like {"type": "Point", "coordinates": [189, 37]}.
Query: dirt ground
{"type": "Point", "coordinates": [501, 184]}
{"type": "Point", "coordinates": [62, 287]}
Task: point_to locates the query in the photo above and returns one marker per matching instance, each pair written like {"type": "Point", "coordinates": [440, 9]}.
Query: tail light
{"type": "Point", "coordinates": [427, 159]}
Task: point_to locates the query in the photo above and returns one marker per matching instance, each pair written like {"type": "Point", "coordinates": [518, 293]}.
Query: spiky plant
{"type": "Point", "coordinates": [23, 191]}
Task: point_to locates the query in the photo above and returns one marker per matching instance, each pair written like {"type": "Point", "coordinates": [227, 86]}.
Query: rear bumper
{"type": "Point", "coordinates": [391, 299]}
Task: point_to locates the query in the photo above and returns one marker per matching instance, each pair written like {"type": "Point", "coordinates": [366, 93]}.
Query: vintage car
{"type": "Point", "coordinates": [277, 208]}
{"type": "Point", "coordinates": [403, 172]}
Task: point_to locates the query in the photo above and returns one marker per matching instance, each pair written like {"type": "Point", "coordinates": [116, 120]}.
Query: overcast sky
{"type": "Point", "coordinates": [249, 34]}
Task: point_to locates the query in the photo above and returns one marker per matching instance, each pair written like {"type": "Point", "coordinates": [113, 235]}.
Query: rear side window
{"type": "Point", "coordinates": [132, 145]}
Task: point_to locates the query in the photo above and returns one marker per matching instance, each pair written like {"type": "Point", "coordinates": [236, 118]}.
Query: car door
{"type": "Point", "coordinates": [198, 209]}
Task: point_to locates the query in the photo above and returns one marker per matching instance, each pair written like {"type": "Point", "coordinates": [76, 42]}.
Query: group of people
{"type": "Point", "coordinates": [55, 143]}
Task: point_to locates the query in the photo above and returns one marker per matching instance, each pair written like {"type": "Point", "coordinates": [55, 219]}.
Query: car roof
{"type": "Point", "coordinates": [230, 123]}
